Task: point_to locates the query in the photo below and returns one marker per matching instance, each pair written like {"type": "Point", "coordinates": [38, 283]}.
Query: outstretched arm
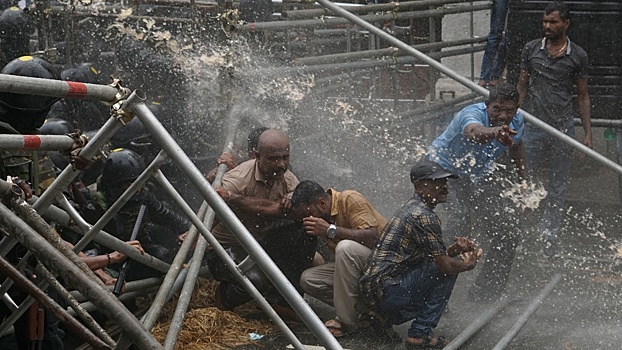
{"type": "Point", "coordinates": [480, 134]}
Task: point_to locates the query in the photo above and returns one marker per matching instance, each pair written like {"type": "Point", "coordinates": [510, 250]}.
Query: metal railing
{"type": "Point", "coordinates": [123, 111]}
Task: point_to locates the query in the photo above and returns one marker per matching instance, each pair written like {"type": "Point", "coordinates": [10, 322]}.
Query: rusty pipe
{"type": "Point", "coordinates": [25, 284]}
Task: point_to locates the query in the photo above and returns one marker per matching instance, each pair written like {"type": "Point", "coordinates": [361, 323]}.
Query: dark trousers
{"type": "Point", "coordinates": [421, 295]}
{"type": "Point", "coordinates": [290, 248]}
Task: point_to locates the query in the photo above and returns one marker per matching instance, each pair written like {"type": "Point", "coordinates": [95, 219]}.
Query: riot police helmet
{"type": "Point", "coordinates": [22, 111]}
{"type": "Point", "coordinates": [121, 165]}
{"type": "Point", "coordinates": [56, 126]}
{"type": "Point", "coordinates": [133, 135]}
{"type": "Point", "coordinates": [14, 22]}
{"type": "Point", "coordinates": [84, 73]}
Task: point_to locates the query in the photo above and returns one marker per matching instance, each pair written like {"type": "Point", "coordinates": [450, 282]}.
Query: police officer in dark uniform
{"type": "Point", "coordinates": [23, 114]}
{"type": "Point", "coordinates": [161, 225]}
{"type": "Point", "coordinates": [15, 30]}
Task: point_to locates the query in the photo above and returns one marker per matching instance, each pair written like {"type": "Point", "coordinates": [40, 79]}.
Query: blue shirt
{"type": "Point", "coordinates": [456, 154]}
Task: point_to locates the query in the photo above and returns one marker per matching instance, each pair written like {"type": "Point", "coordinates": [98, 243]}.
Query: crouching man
{"type": "Point", "coordinates": [411, 274]}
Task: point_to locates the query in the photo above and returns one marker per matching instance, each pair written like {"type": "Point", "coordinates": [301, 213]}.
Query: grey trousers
{"type": "Point", "coordinates": [337, 283]}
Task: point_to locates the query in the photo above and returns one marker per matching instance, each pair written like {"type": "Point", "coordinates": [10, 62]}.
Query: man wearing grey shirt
{"type": "Point", "coordinates": [552, 70]}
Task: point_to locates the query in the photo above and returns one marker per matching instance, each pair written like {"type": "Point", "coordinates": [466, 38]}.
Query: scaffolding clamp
{"type": "Point", "coordinates": [10, 188]}
{"type": "Point", "coordinates": [230, 20]}
{"type": "Point", "coordinates": [123, 93]}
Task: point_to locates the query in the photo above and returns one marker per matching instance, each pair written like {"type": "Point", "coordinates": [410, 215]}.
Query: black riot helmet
{"type": "Point", "coordinates": [56, 126]}
{"type": "Point", "coordinates": [84, 73]}
{"type": "Point", "coordinates": [15, 30]}
{"type": "Point", "coordinates": [14, 22]}
{"type": "Point", "coordinates": [27, 112]}
{"type": "Point", "coordinates": [122, 165]}
{"type": "Point", "coordinates": [133, 135]}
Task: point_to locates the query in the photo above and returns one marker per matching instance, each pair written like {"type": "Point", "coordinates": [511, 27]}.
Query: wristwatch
{"type": "Point", "coordinates": [332, 231]}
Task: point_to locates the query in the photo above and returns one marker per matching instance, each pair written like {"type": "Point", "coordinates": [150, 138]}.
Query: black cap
{"type": "Point", "coordinates": [426, 169]}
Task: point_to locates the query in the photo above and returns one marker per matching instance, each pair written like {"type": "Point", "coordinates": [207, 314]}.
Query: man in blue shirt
{"type": "Point", "coordinates": [473, 143]}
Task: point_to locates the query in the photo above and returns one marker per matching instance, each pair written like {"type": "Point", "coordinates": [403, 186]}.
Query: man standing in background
{"type": "Point", "coordinates": [552, 70]}
{"type": "Point", "coordinates": [494, 60]}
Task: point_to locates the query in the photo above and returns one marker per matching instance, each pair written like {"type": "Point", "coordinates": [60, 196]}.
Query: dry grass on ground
{"type": "Point", "coordinates": [205, 326]}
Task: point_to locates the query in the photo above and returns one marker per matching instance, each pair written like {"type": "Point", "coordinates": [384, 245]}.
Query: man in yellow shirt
{"type": "Point", "coordinates": [350, 226]}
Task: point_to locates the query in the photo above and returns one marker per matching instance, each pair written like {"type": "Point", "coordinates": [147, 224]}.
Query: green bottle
{"type": "Point", "coordinates": [610, 134]}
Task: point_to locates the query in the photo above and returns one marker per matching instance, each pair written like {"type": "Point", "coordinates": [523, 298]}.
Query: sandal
{"type": "Point", "coordinates": [335, 328]}
{"type": "Point", "coordinates": [381, 328]}
{"type": "Point", "coordinates": [427, 342]}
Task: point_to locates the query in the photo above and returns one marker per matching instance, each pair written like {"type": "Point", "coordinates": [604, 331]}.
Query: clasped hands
{"type": "Point", "coordinates": [466, 249]}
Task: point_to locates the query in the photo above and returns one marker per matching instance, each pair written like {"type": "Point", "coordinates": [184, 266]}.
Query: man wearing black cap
{"type": "Point", "coordinates": [411, 274]}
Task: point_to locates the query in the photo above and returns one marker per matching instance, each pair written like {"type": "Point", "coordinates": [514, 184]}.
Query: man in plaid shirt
{"type": "Point", "coordinates": [411, 274]}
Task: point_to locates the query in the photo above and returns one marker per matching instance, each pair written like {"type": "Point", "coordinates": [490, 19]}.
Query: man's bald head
{"type": "Point", "coordinates": [272, 138]}
{"type": "Point", "coordinates": [272, 154]}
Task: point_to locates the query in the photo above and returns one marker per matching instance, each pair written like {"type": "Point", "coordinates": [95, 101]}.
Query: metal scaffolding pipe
{"type": "Point", "coordinates": [392, 6]}
{"type": "Point", "coordinates": [327, 22]}
{"type": "Point", "coordinates": [36, 142]}
{"type": "Point", "coordinates": [86, 318]}
{"type": "Point", "coordinates": [129, 287]}
{"type": "Point", "coordinates": [69, 173]}
{"type": "Point", "coordinates": [89, 14]}
{"type": "Point", "coordinates": [90, 307]}
{"type": "Point", "coordinates": [195, 265]}
{"type": "Point", "coordinates": [91, 149]}
{"type": "Point", "coordinates": [36, 222]}
{"type": "Point", "coordinates": [181, 3]}
{"type": "Point", "coordinates": [160, 299]}
{"type": "Point", "coordinates": [31, 218]}
{"type": "Point", "coordinates": [431, 108]}
{"type": "Point", "coordinates": [339, 77]}
{"type": "Point", "coordinates": [56, 214]}
{"type": "Point", "coordinates": [468, 83]}
{"type": "Point", "coordinates": [119, 203]}
{"type": "Point", "coordinates": [8, 188]}
{"type": "Point", "coordinates": [391, 51]}
{"type": "Point", "coordinates": [88, 152]}
{"type": "Point", "coordinates": [533, 307]}
{"type": "Point", "coordinates": [602, 123]}
{"type": "Point", "coordinates": [476, 325]}
{"type": "Point", "coordinates": [227, 216]}
{"type": "Point", "coordinates": [58, 88]}
{"type": "Point", "coordinates": [24, 283]}
{"type": "Point", "coordinates": [73, 275]}
{"type": "Point", "coordinates": [8, 302]}
{"type": "Point", "coordinates": [199, 252]}
{"type": "Point", "coordinates": [372, 63]}
{"type": "Point", "coordinates": [183, 302]}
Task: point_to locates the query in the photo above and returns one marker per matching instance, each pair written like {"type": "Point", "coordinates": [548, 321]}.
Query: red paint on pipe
{"type": "Point", "coordinates": [32, 142]}
{"type": "Point", "coordinates": [76, 90]}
